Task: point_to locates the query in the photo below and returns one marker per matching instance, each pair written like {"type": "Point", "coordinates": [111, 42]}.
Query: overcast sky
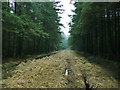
{"type": "Point", "coordinates": [65, 18]}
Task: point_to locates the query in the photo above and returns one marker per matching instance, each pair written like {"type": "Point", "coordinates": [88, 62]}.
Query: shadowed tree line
{"type": "Point", "coordinates": [96, 29]}
{"type": "Point", "coordinates": [29, 28]}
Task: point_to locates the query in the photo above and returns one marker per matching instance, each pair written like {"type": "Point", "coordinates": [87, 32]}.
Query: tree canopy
{"type": "Point", "coordinates": [95, 29]}
{"type": "Point", "coordinates": [30, 28]}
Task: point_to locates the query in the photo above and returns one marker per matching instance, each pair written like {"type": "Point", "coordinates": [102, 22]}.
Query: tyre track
{"type": "Point", "coordinates": [49, 72]}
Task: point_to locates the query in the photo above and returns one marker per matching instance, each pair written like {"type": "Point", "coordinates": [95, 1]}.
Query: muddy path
{"type": "Point", "coordinates": [65, 69]}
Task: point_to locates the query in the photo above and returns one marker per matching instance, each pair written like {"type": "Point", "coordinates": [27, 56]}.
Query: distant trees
{"type": "Point", "coordinates": [95, 29]}
{"type": "Point", "coordinates": [32, 28]}
{"type": "Point", "coordinates": [64, 44]}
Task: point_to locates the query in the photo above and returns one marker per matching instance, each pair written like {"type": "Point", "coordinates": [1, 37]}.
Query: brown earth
{"type": "Point", "coordinates": [49, 72]}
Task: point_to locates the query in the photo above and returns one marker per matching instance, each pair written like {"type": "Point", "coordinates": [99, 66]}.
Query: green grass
{"type": "Point", "coordinates": [83, 62]}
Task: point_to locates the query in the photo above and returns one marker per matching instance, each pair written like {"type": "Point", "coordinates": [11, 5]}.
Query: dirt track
{"type": "Point", "coordinates": [49, 72]}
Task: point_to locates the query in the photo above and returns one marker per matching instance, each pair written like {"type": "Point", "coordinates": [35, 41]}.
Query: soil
{"type": "Point", "coordinates": [49, 72]}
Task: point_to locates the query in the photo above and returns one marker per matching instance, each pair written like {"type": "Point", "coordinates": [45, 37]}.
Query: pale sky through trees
{"type": "Point", "coordinates": [68, 7]}
{"type": "Point", "coordinates": [65, 18]}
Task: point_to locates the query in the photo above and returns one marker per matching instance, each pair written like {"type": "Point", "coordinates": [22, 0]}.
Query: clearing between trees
{"type": "Point", "coordinates": [65, 69]}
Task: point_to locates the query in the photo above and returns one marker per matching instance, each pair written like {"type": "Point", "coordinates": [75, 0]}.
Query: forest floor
{"type": "Point", "coordinates": [65, 69]}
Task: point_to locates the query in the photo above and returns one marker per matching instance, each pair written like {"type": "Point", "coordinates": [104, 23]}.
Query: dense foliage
{"type": "Point", "coordinates": [30, 28]}
{"type": "Point", "coordinates": [96, 29]}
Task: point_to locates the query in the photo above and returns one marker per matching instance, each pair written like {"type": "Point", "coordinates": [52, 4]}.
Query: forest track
{"type": "Point", "coordinates": [49, 72]}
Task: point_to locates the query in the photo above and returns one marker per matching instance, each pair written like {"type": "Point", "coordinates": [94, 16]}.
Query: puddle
{"type": "Point", "coordinates": [86, 83]}
{"type": "Point", "coordinates": [66, 72]}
